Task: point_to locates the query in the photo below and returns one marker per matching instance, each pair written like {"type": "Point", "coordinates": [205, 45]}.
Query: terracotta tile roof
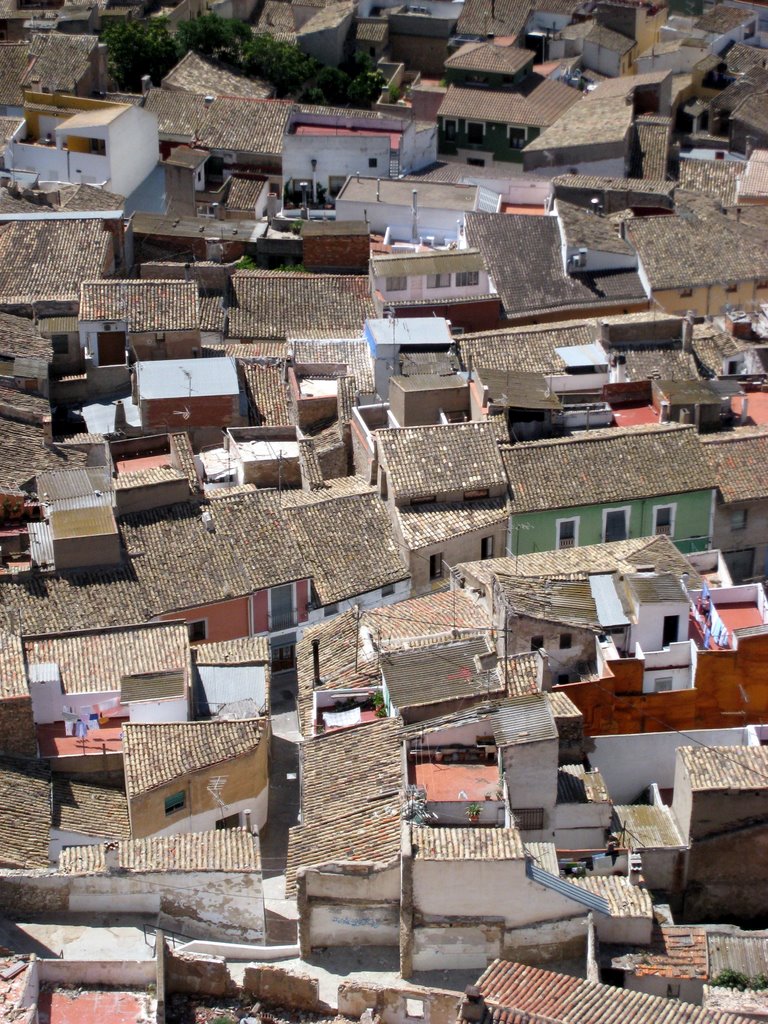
{"type": "Point", "coordinates": [244, 193]}
{"type": "Point", "coordinates": [25, 813]}
{"type": "Point", "coordinates": [716, 178]}
{"type": "Point", "coordinates": [584, 228]}
{"type": "Point", "coordinates": [431, 615]}
{"type": "Point", "coordinates": [147, 305]}
{"type": "Point", "coordinates": [512, 991]}
{"type": "Point", "coordinates": [198, 74]}
{"type": "Point", "coordinates": [159, 753]}
{"type": "Point", "coordinates": [502, 60]}
{"type": "Point", "coordinates": [716, 768]}
{"type": "Point", "coordinates": [87, 807]}
{"type": "Point", "coordinates": [624, 185]}
{"type": "Point", "coordinates": [247, 650]}
{"type": "Point", "coordinates": [14, 60]}
{"type": "Point", "coordinates": [340, 487]}
{"type": "Point", "coordinates": [607, 39]}
{"type": "Point", "coordinates": [87, 198]}
{"type": "Point", "coordinates": [537, 102]}
{"type": "Point", "coordinates": [466, 843]}
{"type": "Point", "coordinates": [527, 349]}
{"type": "Point", "coordinates": [754, 180]}
{"type": "Point", "coordinates": [619, 556]}
{"type": "Point", "coordinates": [245, 125]}
{"type": "Point", "coordinates": [277, 20]}
{"type": "Point", "coordinates": [226, 849]}
{"type": "Point", "coordinates": [439, 671]}
{"type": "Point", "coordinates": [738, 463]}
{"type": "Point", "coordinates": [213, 316]}
{"type": "Point", "coordinates": [576, 785]}
{"type": "Point", "coordinates": [348, 545]}
{"type": "Point", "coordinates": [624, 898]}
{"type": "Point", "coordinates": [147, 477]}
{"type": "Point", "coordinates": [593, 121]}
{"type": "Point", "coordinates": [660, 362]}
{"type": "Point", "coordinates": [711, 346]}
{"type": "Point", "coordinates": [352, 353]}
{"type": "Point", "coordinates": [676, 951]}
{"type": "Point", "coordinates": [524, 257]}
{"type": "Point", "coordinates": [679, 252]}
{"type": "Point", "coordinates": [650, 150]}
{"type": "Point", "coordinates": [647, 827]}
{"type": "Point", "coordinates": [27, 406]}
{"type": "Point", "coordinates": [275, 305]}
{"type": "Point", "coordinates": [719, 19]}
{"type": "Point", "coordinates": [421, 525]}
{"type": "Point", "coordinates": [503, 18]}
{"type": "Point", "coordinates": [24, 454]}
{"type": "Point", "coordinates": [59, 60]}
{"type": "Point", "coordinates": [742, 57]}
{"type": "Point", "coordinates": [58, 255]}
{"type": "Point", "coordinates": [372, 30]}
{"type": "Point", "coordinates": [422, 461]}
{"type": "Point", "coordinates": [350, 799]}
{"type": "Point", "coordinates": [178, 113]}
{"type": "Point", "coordinates": [105, 656]}
{"type": "Point", "coordinates": [576, 471]}
{"type": "Point", "coordinates": [13, 676]}
{"type": "Point", "coordinates": [266, 393]}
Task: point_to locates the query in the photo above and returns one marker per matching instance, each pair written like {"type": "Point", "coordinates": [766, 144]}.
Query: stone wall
{"type": "Point", "coordinates": [279, 987]}
{"type": "Point", "coordinates": [17, 727]}
{"type": "Point", "coordinates": [392, 1006]}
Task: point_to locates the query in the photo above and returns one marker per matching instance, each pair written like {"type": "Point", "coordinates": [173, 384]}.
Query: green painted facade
{"type": "Point", "coordinates": [691, 523]}
{"type": "Point", "coordinates": [495, 138]}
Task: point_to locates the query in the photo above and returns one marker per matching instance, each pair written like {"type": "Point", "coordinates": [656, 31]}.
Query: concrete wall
{"type": "Point", "coordinates": [392, 1005]}
{"type": "Point", "coordinates": [737, 544]}
{"type": "Point", "coordinates": [348, 905]}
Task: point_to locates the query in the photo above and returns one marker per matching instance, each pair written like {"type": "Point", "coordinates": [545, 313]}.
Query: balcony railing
{"type": "Point", "coordinates": [663, 530]}
{"type": "Point", "coordinates": [567, 542]}
{"type": "Point", "coordinates": [282, 620]}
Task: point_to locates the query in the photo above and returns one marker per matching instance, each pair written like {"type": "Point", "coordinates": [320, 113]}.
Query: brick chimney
{"type": "Point", "coordinates": [473, 1005]}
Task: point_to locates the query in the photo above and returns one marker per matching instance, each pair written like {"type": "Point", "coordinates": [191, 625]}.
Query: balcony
{"type": "Point", "coordinates": [567, 542]}
{"type": "Point", "coordinates": [282, 620]}
{"type": "Point", "coordinates": [663, 530]}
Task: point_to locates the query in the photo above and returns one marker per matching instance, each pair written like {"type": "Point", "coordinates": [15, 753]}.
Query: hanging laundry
{"type": "Point", "coordinates": [93, 721]}
{"type": "Point", "coordinates": [70, 716]}
{"type": "Point", "coordinates": [69, 727]}
{"type": "Point", "coordinates": [81, 729]}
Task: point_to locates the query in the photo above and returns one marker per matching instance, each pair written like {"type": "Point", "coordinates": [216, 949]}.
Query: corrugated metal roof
{"type": "Point", "coordinates": [567, 889]}
{"type": "Point", "coordinates": [647, 827]}
{"type": "Point", "coordinates": [487, 200]}
{"type": "Point", "coordinates": [737, 951]}
{"type": "Point", "coordinates": [219, 685]}
{"type": "Point", "coordinates": [76, 488]}
{"type": "Point", "coordinates": [49, 325]}
{"type": "Point", "coordinates": [524, 720]}
{"type": "Point", "coordinates": [609, 609]}
{"type": "Point", "coordinates": [583, 355]}
{"type": "Point", "coordinates": [418, 263]}
{"type": "Point", "coordinates": [82, 522]}
{"type": "Point", "coordinates": [43, 672]}
{"type": "Point", "coordinates": [187, 378]}
{"type": "Point", "coordinates": [41, 544]}
{"type": "Point", "coordinates": [152, 686]}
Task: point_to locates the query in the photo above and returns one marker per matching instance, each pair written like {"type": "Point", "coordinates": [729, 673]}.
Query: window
{"type": "Point", "coordinates": [739, 519]}
{"type": "Point", "coordinates": [563, 679]}
{"type": "Point", "coordinates": [414, 1008]}
{"type": "Point", "coordinates": [731, 287]}
{"type": "Point", "coordinates": [664, 520]}
{"type": "Point", "coordinates": [388, 589]}
{"type": "Point", "coordinates": [615, 524]}
{"type": "Point", "coordinates": [373, 161]}
{"type": "Point", "coordinates": [486, 547]}
{"type": "Point", "coordinates": [436, 566]}
{"type": "Point", "coordinates": [98, 147]}
{"type": "Point", "coordinates": [517, 137]}
{"type": "Point", "coordinates": [661, 684]}
{"type": "Point", "coordinates": [449, 128]}
{"type": "Point", "coordinates": [475, 132]}
{"type": "Point", "coordinates": [397, 284]}
{"type": "Point", "coordinates": [175, 803]}
{"type": "Point", "coordinates": [197, 630]}
{"type": "Point", "coordinates": [686, 293]}
{"type": "Point", "coordinates": [566, 641]}
{"type": "Point", "coordinates": [528, 818]}
{"type": "Point", "coordinates": [438, 280]}
{"type": "Point", "coordinates": [567, 533]}
{"type": "Point", "coordinates": [330, 609]}
{"type": "Point", "coordinates": [467, 279]}
{"type": "Point", "coordinates": [537, 642]}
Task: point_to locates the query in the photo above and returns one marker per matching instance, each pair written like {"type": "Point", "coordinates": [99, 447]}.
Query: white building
{"type": "Point", "coordinates": [114, 145]}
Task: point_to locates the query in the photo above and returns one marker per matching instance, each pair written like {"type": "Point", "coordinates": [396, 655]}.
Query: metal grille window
{"type": "Point", "coordinates": [397, 284]}
{"type": "Point", "coordinates": [467, 278]}
{"type": "Point", "coordinates": [438, 281]}
{"type": "Point", "coordinates": [517, 137]}
{"type": "Point", "coordinates": [528, 819]}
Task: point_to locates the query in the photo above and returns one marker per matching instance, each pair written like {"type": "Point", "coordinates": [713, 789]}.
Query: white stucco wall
{"type": "Point", "coordinates": [133, 149]}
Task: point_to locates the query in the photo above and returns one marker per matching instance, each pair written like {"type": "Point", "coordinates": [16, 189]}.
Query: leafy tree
{"type": "Point", "coordinates": [138, 48]}
{"type": "Point", "coordinates": [282, 64]}
{"type": "Point", "coordinates": [314, 95]}
{"type": "Point", "coordinates": [731, 979]}
{"type": "Point", "coordinates": [221, 38]}
{"type": "Point", "coordinates": [365, 88]}
{"type": "Point", "coordinates": [334, 85]}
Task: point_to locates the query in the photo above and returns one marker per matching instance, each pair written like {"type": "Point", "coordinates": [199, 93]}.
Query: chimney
{"type": "Point", "coordinates": [414, 202]}
{"type": "Point", "coordinates": [112, 856]}
{"type": "Point", "coordinates": [664, 411]}
{"type": "Point", "coordinates": [542, 669]}
{"type": "Point", "coordinates": [121, 421]}
{"type": "Point", "coordinates": [209, 100]}
{"type": "Point", "coordinates": [473, 1005]}
{"type": "Point", "coordinates": [187, 273]}
{"type": "Point", "coordinates": [315, 663]}
{"type": "Point", "coordinates": [247, 824]}
{"type": "Point", "coordinates": [146, 84]}
{"type": "Point", "coordinates": [744, 410]}
{"type": "Point", "coordinates": [272, 206]}
{"type": "Point", "coordinates": [688, 332]}
{"type": "Point", "coordinates": [378, 190]}
{"type": "Point", "coordinates": [47, 430]}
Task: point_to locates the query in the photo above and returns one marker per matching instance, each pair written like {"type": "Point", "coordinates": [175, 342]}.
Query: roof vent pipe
{"type": "Point", "coordinates": [316, 663]}
{"type": "Point", "coordinates": [378, 190]}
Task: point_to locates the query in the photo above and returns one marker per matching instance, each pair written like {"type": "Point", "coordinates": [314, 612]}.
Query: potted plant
{"type": "Point", "coordinates": [473, 812]}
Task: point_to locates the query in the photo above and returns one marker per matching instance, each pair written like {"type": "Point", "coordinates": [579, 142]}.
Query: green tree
{"type": "Point", "coordinates": [365, 88]}
{"type": "Point", "coordinates": [282, 64]}
{"type": "Point", "coordinates": [221, 38]}
{"type": "Point", "coordinates": [138, 48]}
{"type": "Point", "coordinates": [334, 85]}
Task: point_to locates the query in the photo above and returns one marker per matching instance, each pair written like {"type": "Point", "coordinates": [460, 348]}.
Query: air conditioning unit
{"type": "Point", "coordinates": [106, 327]}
